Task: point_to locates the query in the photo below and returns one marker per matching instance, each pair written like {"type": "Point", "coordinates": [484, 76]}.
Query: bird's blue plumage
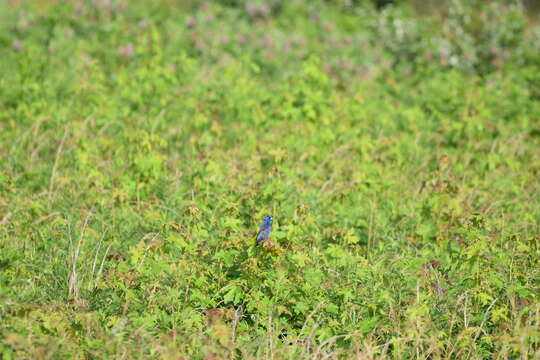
{"type": "Point", "coordinates": [265, 228]}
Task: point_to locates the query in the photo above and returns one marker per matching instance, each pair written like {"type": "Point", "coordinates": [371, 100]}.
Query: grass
{"type": "Point", "coordinates": [142, 142]}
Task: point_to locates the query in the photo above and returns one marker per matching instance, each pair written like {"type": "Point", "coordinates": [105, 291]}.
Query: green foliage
{"type": "Point", "coordinates": [142, 142]}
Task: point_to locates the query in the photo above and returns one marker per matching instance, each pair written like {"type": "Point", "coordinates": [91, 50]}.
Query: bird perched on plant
{"type": "Point", "coordinates": [264, 230]}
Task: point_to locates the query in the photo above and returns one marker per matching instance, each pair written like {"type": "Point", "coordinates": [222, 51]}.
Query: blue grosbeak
{"type": "Point", "coordinates": [264, 230]}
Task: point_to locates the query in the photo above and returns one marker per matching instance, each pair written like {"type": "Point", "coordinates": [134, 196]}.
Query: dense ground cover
{"type": "Point", "coordinates": [142, 142]}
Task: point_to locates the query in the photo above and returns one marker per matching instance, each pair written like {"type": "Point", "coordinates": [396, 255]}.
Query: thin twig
{"type": "Point", "coordinates": [270, 336]}
{"type": "Point", "coordinates": [102, 263]}
{"type": "Point", "coordinates": [329, 341]}
{"type": "Point", "coordinates": [96, 257]}
{"type": "Point", "coordinates": [484, 319]}
{"type": "Point", "coordinates": [309, 318]}
{"type": "Point", "coordinates": [147, 247]}
{"type": "Point", "coordinates": [236, 318]}
{"type": "Point", "coordinates": [5, 219]}
{"type": "Point", "coordinates": [46, 217]}
{"type": "Point", "coordinates": [73, 278]}
{"type": "Point", "coordinates": [309, 340]}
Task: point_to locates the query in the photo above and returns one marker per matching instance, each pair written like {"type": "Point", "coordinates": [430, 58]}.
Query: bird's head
{"type": "Point", "coordinates": [267, 220]}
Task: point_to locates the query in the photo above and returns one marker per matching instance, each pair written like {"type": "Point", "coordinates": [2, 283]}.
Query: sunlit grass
{"type": "Point", "coordinates": [141, 144]}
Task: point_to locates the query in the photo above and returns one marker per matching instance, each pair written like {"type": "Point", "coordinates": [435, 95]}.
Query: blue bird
{"type": "Point", "coordinates": [264, 230]}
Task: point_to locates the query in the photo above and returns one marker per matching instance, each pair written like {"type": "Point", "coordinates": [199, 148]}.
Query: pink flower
{"type": "Point", "coordinates": [126, 50]}
{"type": "Point", "coordinates": [251, 9]}
{"type": "Point", "coordinates": [17, 45]}
{"type": "Point", "coordinates": [191, 22]}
